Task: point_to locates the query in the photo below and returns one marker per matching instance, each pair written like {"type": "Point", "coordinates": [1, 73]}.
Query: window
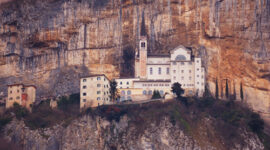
{"type": "Point", "coordinates": [202, 77]}
{"type": "Point", "coordinates": [174, 63]}
{"type": "Point", "coordinates": [121, 83]}
{"type": "Point", "coordinates": [174, 78]}
{"type": "Point", "coordinates": [98, 78]}
{"type": "Point", "coordinates": [84, 100]}
{"type": "Point", "coordinates": [174, 71]}
{"type": "Point", "coordinates": [198, 83]}
{"type": "Point", "coordinates": [151, 70]}
{"type": "Point", "coordinates": [198, 76]}
{"type": "Point", "coordinates": [18, 91]}
{"type": "Point", "coordinates": [128, 98]}
{"type": "Point", "coordinates": [98, 85]}
{"type": "Point", "coordinates": [144, 92]}
{"type": "Point", "coordinates": [127, 83]}
{"type": "Point", "coordinates": [198, 69]}
{"type": "Point", "coordinates": [190, 63]}
{"type": "Point", "coordinates": [123, 93]}
{"type": "Point", "coordinates": [84, 94]}
{"type": "Point", "coordinates": [98, 98]}
{"type": "Point", "coordinates": [182, 78]}
{"type": "Point", "coordinates": [128, 92]}
{"type": "Point", "coordinates": [168, 70]}
{"type": "Point", "coordinates": [159, 70]}
{"type": "Point", "coordinates": [197, 61]}
{"type": "Point", "coordinates": [182, 71]}
{"type": "Point", "coordinates": [104, 79]}
{"type": "Point", "coordinates": [142, 44]}
{"type": "Point", "coordinates": [18, 97]}
{"type": "Point", "coordinates": [10, 92]}
{"type": "Point", "coordinates": [182, 63]}
{"type": "Point", "coordinates": [84, 87]}
{"type": "Point", "coordinates": [84, 80]}
{"type": "Point", "coordinates": [189, 71]}
{"type": "Point", "coordinates": [104, 93]}
{"type": "Point", "coordinates": [107, 86]}
{"type": "Point", "coordinates": [150, 92]}
{"type": "Point", "coordinates": [190, 78]}
{"type": "Point", "coordinates": [161, 92]}
{"type": "Point", "coordinates": [10, 98]}
{"type": "Point", "coordinates": [98, 92]}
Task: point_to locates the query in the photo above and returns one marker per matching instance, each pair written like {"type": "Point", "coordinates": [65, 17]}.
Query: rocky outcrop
{"type": "Point", "coordinates": [50, 43]}
{"type": "Point", "coordinates": [98, 133]}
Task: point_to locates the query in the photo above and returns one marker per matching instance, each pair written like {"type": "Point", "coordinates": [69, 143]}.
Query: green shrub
{"type": "Point", "coordinates": [19, 111]}
{"type": "Point", "coordinates": [156, 94]}
{"type": "Point", "coordinates": [4, 120]}
{"type": "Point", "coordinates": [233, 117]}
{"type": "Point", "coordinates": [255, 123]}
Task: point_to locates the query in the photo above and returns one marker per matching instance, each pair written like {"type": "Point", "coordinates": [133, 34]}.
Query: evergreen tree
{"type": "Point", "coordinates": [156, 94]}
{"type": "Point", "coordinates": [217, 89]}
{"type": "Point", "coordinates": [207, 93]}
{"type": "Point", "coordinates": [113, 90]}
{"type": "Point", "coordinates": [241, 92]}
{"type": "Point", "coordinates": [234, 92]}
{"type": "Point", "coordinates": [227, 89]}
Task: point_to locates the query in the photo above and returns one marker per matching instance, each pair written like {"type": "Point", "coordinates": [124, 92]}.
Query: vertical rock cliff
{"type": "Point", "coordinates": [50, 43]}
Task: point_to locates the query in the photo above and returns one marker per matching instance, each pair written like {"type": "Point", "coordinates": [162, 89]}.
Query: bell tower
{"type": "Point", "coordinates": [141, 56]}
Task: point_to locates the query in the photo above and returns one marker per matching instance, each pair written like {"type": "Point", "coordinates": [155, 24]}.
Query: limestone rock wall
{"type": "Point", "coordinates": [50, 43]}
{"type": "Point", "coordinates": [100, 134]}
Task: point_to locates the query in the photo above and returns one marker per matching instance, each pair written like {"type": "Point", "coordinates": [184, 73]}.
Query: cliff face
{"type": "Point", "coordinates": [89, 133]}
{"type": "Point", "coordinates": [50, 43]}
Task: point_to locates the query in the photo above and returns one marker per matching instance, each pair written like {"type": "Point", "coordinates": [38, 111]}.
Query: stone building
{"type": "Point", "coordinates": [24, 95]}
{"type": "Point", "coordinates": [94, 91]}
{"type": "Point", "coordinates": [159, 72]}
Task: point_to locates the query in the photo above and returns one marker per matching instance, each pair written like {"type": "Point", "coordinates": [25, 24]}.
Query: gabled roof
{"type": "Point", "coordinates": [17, 84]}
{"type": "Point", "coordinates": [182, 47]}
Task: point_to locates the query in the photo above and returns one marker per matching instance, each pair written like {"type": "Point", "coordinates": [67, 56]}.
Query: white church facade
{"type": "Point", "coordinates": [159, 72]}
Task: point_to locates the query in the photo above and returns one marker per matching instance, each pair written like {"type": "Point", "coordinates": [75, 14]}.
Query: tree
{"type": "Point", "coordinates": [241, 92]}
{"type": "Point", "coordinates": [177, 89]}
{"type": "Point", "coordinates": [156, 94]}
{"type": "Point", "coordinates": [207, 93]}
{"type": "Point", "coordinates": [227, 89]}
{"type": "Point", "coordinates": [217, 89]}
{"type": "Point", "coordinates": [234, 91]}
{"type": "Point", "coordinates": [113, 90]}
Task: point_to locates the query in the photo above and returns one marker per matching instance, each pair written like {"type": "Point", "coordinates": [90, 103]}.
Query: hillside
{"type": "Point", "coordinates": [202, 124]}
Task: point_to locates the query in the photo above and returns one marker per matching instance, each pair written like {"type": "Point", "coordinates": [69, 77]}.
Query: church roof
{"type": "Point", "coordinates": [182, 47]}
{"type": "Point", "coordinates": [158, 55]}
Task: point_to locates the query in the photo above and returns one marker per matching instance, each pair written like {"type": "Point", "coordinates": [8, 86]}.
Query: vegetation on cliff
{"type": "Point", "coordinates": [222, 120]}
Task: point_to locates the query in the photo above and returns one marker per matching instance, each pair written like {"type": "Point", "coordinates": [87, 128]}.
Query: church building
{"type": "Point", "coordinates": [159, 72]}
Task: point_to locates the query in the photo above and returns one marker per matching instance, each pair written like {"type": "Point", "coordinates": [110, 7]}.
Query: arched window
{"type": "Point", "coordinates": [123, 93]}
{"type": "Point", "coordinates": [144, 92]}
{"type": "Point", "coordinates": [180, 57]}
{"type": "Point", "coordinates": [128, 92]}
